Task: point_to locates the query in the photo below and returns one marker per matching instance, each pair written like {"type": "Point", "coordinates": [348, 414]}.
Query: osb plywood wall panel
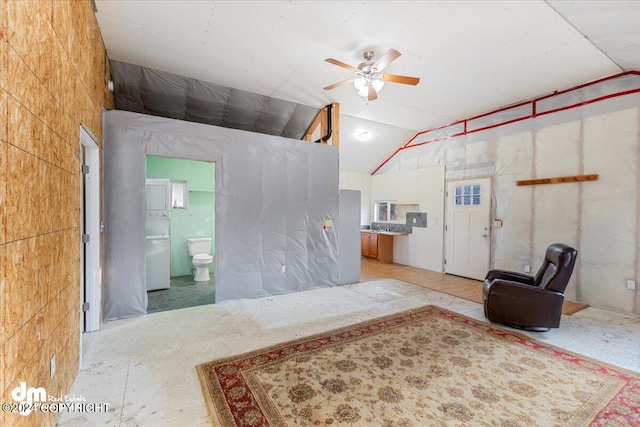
{"type": "Point", "coordinates": [53, 78]}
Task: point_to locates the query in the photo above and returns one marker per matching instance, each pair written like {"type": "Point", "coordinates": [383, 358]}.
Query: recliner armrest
{"type": "Point", "coordinates": [510, 276]}
{"type": "Point", "coordinates": [521, 290]}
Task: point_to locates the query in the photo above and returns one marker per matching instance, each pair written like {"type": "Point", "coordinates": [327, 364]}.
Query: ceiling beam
{"type": "Point", "coordinates": [322, 120]}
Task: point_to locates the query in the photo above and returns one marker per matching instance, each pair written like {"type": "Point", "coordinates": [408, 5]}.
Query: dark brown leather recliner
{"type": "Point", "coordinates": [530, 302]}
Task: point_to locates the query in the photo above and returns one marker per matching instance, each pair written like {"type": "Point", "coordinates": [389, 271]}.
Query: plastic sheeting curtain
{"type": "Point", "coordinates": [273, 196]}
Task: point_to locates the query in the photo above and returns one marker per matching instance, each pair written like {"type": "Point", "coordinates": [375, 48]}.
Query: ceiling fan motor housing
{"type": "Point", "coordinates": [365, 69]}
{"type": "Point", "coordinates": [366, 66]}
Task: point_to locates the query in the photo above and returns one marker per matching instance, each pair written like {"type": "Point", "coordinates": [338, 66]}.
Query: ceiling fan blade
{"type": "Point", "coordinates": [373, 95]}
{"type": "Point", "coordinates": [335, 85]}
{"type": "Point", "coordinates": [386, 59]}
{"type": "Point", "coordinates": [341, 64]}
{"type": "Point", "coordinates": [400, 79]}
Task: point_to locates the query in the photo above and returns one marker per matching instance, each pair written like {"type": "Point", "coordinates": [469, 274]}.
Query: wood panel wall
{"type": "Point", "coordinates": [53, 77]}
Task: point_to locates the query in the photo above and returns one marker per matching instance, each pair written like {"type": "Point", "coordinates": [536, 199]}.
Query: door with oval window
{"type": "Point", "coordinates": [468, 240]}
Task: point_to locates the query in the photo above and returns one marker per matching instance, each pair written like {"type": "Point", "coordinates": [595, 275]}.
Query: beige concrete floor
{"type": "Point", "coordinates": [145, 367]}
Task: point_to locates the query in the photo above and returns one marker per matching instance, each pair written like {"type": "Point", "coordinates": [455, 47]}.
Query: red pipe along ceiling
{"type": "Point", "coordinates": [521, 111]}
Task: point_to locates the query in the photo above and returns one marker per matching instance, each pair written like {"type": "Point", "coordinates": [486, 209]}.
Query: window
{"type": "Point", "coordinates": [385, 211]}
{"type": "Point", "coordinates": [179, 194]}
{"type": "Point", "coordinates": [467, 195]}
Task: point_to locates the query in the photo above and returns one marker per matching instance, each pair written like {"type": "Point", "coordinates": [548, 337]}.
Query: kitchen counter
{"type": "Point", "coordinates": [388, 233]}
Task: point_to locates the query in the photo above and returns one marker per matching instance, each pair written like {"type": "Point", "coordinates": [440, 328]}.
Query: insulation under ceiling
{"type": "Point", "coordinates": [159, 93]}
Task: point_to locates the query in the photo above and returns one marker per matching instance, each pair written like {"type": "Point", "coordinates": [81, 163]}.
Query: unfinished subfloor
{"type": "Point", "coordinates": [145, 367]}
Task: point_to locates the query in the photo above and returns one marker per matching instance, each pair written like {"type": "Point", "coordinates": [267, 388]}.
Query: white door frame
{"type": "Point", "coordinates": [91, 272]}
{"type": "Point", "coordinates": [448, 220]}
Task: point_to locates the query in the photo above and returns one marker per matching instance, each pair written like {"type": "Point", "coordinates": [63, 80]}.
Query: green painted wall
{"type": "Point", "coordinates": [198, 220]}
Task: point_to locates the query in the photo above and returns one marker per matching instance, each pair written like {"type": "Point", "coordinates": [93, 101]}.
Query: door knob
{"type": "Point", "coordinates": [484, 235]}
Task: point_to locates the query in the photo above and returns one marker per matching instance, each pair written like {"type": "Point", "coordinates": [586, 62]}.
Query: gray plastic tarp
{"type": "Point", "coordinates": [273, 197]}
{"type": "Point", "coordinates": [159, 93]}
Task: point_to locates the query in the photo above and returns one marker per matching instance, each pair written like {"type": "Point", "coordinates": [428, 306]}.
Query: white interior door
{"type": "Point", "coordinates": [90, 220]}
{"type": "Point", "coordinates": [467, 228]}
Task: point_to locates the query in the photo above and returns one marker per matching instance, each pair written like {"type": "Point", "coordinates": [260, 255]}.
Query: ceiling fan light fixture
{"type": "Point", "coordinates": [363, 90]}
{"type": "Point", "coordinates": [359, 83]}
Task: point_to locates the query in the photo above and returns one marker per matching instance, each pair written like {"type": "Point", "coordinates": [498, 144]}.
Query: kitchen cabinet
{"type": "Point", "coordinates": [377, 246]}
{"type": "Point", "coordinates": [370, 245]}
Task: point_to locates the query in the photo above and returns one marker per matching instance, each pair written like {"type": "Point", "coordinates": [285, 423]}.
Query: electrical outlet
{"type": "Point", "coordinates": [631, 284]}
{"type": "Point", "coordinates": [284, 268]}
{"type": "Point", "coordinates": [52, 366]}
{"type": "Point", "coordinates": [527, 268]}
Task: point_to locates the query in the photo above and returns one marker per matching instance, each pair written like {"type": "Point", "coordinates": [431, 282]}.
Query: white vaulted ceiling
{"type": "Point", "coordinates": [471, 56]}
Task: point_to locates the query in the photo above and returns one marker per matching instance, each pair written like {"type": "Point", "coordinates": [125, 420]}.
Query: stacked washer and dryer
{"type": "Point", "coordinates": [158, 233]}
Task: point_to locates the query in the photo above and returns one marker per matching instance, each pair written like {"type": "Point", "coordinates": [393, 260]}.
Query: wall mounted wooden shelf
{"type": "Point", "coordinates": [559, 180]}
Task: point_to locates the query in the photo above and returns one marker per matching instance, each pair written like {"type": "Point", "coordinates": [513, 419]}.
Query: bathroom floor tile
{"type": "Point", "coordinates": [183, 292]}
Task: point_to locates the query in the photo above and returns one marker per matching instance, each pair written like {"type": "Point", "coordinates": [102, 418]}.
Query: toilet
{"type": "Point", "coordinates": [199, 249]}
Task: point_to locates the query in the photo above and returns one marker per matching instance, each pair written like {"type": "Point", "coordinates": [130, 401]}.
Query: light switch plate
{"type": "Point", "coordinates": [631, 284]}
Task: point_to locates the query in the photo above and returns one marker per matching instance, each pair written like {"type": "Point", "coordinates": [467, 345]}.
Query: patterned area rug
{"type": "Point", "coordinates": [423, 367]}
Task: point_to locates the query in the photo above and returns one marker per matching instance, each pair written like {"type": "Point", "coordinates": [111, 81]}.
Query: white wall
{"type": "Point", "coordinates": [425, 187]}
{"type": "Point", "coordinates": [361, 182]}
{"type": "Point", "coordinates": [599, 218]}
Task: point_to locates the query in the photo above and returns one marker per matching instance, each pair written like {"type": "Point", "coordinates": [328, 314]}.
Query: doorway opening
{"type": "Point", "coordinates": [191, 218]}
{"type": "Point", "coordinates": [90, 271]}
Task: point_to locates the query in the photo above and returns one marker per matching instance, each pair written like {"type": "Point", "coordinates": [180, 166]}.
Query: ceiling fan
{"type": "Point", "coordinates": [368, 80]}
